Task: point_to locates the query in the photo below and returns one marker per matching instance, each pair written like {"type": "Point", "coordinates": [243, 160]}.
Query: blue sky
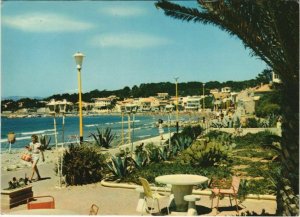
{"type": "Point", "coordinates": [125, 43]}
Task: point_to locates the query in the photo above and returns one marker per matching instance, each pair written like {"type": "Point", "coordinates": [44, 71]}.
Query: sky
{"type": "Point", "coordinates": [125, 43]}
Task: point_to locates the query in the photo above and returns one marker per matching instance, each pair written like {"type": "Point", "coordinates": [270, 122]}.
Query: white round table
{"type": "Point", "coordinates": [182, 184]}
{"type": "Point", "coordinates": [44, 212]}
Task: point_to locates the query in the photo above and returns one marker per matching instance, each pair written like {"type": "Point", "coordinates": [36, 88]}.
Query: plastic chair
{"type": "Point", "coordinates": [43, 204]}
{"type": "Point", "coordinates": [94, 210]}
{"type": "Point", "coordinates": [150, 195]}
{"type": "Point", "coordinates": [232, 191]}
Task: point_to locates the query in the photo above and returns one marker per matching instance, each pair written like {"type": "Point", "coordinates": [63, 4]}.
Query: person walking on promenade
{"type": "Point", "coordinates": [35, 149]}
{"type": "Point", "coordinates": [160, 129]}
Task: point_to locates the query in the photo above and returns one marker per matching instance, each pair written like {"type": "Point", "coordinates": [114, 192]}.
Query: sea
{"type": "Point", "coordinates": [143, 127]}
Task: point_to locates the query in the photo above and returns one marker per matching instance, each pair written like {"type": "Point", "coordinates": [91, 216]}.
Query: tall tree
{"type": "Point", "coordinates": [270, 28]}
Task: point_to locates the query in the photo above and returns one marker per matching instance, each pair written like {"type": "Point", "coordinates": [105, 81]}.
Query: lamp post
{"type": "Point", "coordinates": [131, 109]}
{"type": "Point", "coordinates": [78, 59]}
{"type": "Point", "coordinates": [62, 109]}
{"type": "Point", "coordinates": [122, 140]}
{"type": "Point", "coordinates": [203, 97]}
{"type": "Point", "coordinates": [53, 109]}
{"type": "Point", "coordinates": [169, 109]}
{"type": "Point", "coordinates": [176, 86]}
{"type": "Point", "coordinates": [52, 105]}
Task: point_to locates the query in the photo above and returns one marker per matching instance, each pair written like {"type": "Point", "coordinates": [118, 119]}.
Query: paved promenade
{"type": "Point", "coordinates": [113, 201]}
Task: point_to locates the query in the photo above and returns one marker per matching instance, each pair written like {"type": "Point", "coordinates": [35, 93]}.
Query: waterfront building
{"type": "Point", "coordinates": [146, 104]}
{"type": "Point", "coordinates": [193, 103]}
{"type": "Point", "coordinates": [212, 91]}
{"type": "Point", "coordinates": [101, 104]}
{"type": "Point", "coordinates": [276, 78]}
{"type": "Point", "coordinates": [162, 95]}
{"type": "Point", "coordinates": [220, 100]}
{"type": "Point", "coordinates": [262, 89]}
{"type": "Point", "coordinates": [226, 89]}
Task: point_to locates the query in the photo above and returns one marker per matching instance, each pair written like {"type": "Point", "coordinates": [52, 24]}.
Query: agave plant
{"type": "Point", "coordinates": [164, 153]}
{"type": "Point", "coordinates": [103, 138]}
{"type": "Point", "coordinates": [183, 142]}
{"type": "Point", "coordinates": [152, 152]}
{"type": "Point", "coordinates": [119, 166]}
{"type": "Point", "coordinates": [45, 141]}
{"type": "Point", "coordinates": [140, 160]}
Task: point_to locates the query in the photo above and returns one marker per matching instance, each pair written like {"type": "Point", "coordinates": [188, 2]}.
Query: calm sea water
{"type": "Point", "coordinates": [144, 127]}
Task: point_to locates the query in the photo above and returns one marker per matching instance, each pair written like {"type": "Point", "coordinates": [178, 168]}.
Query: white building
{"type": "Point", "coordinates": [275, 78]}
{"type": "Point", "coordinates": [193, 103]}
{"type": "Point", "coordinates": [162, 95]}
{"type": "Point", "coordinates": [226, 89]}
{"type": "Point", "coordinates": [101, 104]}
{"type": "Point", "coordinates": [212, 91]}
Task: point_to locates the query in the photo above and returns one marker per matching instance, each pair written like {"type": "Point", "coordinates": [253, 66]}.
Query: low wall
{"type": "Point", "coordinates": [276, 131]}
{"type": "Point", "coordinates": [198, 192]}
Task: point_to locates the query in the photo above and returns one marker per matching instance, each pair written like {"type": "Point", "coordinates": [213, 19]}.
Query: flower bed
{"type": "Point", "coordinates": [14, 197]}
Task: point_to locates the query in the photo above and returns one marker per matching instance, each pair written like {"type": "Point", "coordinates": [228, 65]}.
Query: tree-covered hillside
{"type": "Point", "coordinates": [143, 90]}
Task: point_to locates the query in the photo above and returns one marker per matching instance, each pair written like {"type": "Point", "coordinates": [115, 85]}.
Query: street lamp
{"type": "Point", "coordinates": [131, 109]}
{"type": "Point", "coordinates": [169, 109]}
{"type": "Point", "coordinates": [78, 59]}
{"type": "Point", "coordinates": [53, 109]}
{"type": "Point", "coordinates": [56, 108]}
{"type": "Point", "coordinates": [203, 97]}
{"type": "Point", "coordinates": [176, 85]}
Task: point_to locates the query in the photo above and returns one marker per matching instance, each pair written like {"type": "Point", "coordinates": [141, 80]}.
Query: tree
{"type": "Point", "coordinates": [135, 91]}
{"type": "Point", "coordinates": [265, 76]}
{"type": "Point", "coordinates": [270, 28]}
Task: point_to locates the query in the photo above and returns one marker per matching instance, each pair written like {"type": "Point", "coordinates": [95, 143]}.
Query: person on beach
{"type": "Point", "coordinates": [160, 129]}
{"type": "Point", "coordinates": [35, 149]}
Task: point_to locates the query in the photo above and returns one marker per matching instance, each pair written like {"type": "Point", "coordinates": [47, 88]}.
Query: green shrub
{"type": "Point", "coordinates": [180, 143]}
{"type": "Point", "coordinates": [166, 168]}
{"type": "Point", "coordinates": [82, 165]}
{"type": "Point", "coordinates": [153, 152]}
{"type": "Point", "coordinates": [254, 140]}
{"type": "Point", "coordinates": [192, 131]}
{"type": "Point", "coordinates": [252, 123]}
{"type": "Point", "coordinates": [205, 154]}
{"type": "Point", "coordinates": [103, 138]}
{"type": "Point", "coordinates": [261, 186]}
{"type": "Point", "coordinates": [218, 135]}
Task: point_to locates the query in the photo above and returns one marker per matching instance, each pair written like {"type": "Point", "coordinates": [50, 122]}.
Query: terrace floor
{"type": "Point", "coordinates": [116, 201]}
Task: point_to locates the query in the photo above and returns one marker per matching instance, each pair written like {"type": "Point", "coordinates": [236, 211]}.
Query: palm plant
{"type": "Point", "coordinates": [103, 138]}
{"type": "Point", "coordinates": [45, 141]}
{"type": "Point", "coordinates": [271, 30]}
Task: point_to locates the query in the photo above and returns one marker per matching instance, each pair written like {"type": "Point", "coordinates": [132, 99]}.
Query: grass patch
{"type": "Point", "coordinates": [157, 169]}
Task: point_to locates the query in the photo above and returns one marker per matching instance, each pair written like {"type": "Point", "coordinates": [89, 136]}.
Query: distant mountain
{"type": "Point", "coordinates": [16, 98]}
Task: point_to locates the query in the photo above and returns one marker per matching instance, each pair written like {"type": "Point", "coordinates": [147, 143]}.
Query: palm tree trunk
{"type": "Point", "coordinates": [288, 186]}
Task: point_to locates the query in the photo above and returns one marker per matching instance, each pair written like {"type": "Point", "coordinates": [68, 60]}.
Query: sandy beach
{"type": "Point", "coordinates": [11, 162]}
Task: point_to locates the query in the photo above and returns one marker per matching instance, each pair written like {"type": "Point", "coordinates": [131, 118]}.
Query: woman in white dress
{"type": "Point", "coordinates": [160, 129]}
{"type": "Point", "coordinates": [35, 149]}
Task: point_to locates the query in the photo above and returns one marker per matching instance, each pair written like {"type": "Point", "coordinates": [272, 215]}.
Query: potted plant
{"type": "Point", "coordinates": [17, 193]}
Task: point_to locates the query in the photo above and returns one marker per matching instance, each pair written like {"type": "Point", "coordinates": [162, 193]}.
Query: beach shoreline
{"type": "Point", "coordinates": [13, 162]}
